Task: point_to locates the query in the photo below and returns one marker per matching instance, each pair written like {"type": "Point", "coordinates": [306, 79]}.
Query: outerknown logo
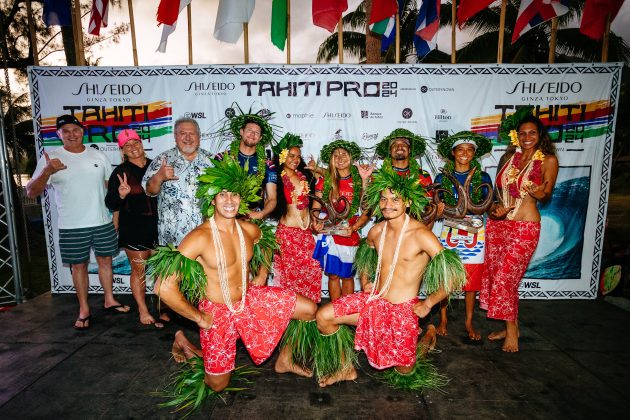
{"type": "Point", "coordinates": [108, 89]}
{"type": "Point", "coordinates": [425, 89]}
{"type": "Point", "coordinates": [407, 113]}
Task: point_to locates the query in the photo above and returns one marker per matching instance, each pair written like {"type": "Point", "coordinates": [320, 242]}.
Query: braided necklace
{"type": "Point", "coordinates": [219, 254]}
{"type": "Point", "coordinates": [261, 159]}
{"type": "Point", "coordinates": [357, 184]}
{"type": "Point", "coordinates": [390, 275]}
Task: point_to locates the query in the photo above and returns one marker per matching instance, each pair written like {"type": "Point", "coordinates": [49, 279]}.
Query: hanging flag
{"type": "Point", "coordinates": [167, 13]}
{"type": "Point", "coordinates": [383, 17]}
{"type": "Point", "coordinates": [231, 16]}
{"type": "Point", "coordinates": [469, 8]}
{"type": "Point", "coordinates": [532, 13]}
{"type": "Point", "coordinates": [326, 13]}
{"type": "Point", "coordinates": [427, 25]}
{"type": "Point", "coordinates": [279, 23]}
{"type": "Point", "coordinates": [595, 14]}
{"type": "Point", "coordinates": [98, 16]}
{"type": "Point", "coordinates": [386, 41]}
{"type": "Point", "coordinates": [57, 12]}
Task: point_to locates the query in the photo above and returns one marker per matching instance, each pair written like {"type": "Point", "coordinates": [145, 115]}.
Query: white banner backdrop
{"type": "Point", "coordinates": [362, 103]}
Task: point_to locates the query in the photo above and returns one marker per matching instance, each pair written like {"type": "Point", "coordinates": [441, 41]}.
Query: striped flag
{"type": "Point", "coordinates": [427, 26]}
{"type": "Point", "coordinates": [383, 17]}
{"type": "Point", "coordinates": [469, 8]}
{"type": "Point", "coordinates": [326, 13]}
{"type": "Point", "coordinates": [231, 16]}
{"type": "Point", "coordinates": [534, 12]}
{"type": "Point", "coordinates": [98, 16]}
{"type": "Point", "coordinates": [595, 14]}
{"type": "Point", "coordinates": [386, 41]}
{"type": "Point", "coordinates": [167, 13]}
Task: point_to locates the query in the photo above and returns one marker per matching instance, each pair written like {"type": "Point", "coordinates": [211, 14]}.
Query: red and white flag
{"type": "Point", "coordinates": [469, 8]}
{"type": "Point", "coordinates": [326, 13]}
{"type": "Point", "coordinates": [532, 13]}
{"type": "Point", "coordinates": [98, 16]}
{"type": "Point", "coordinates": [167, 13]}
{"type": "Point", "coordinates": [595, 14]}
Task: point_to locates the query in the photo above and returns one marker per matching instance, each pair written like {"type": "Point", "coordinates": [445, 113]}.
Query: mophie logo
{"type": "Point", "coordinates": [108, 89]}
{"type": "Point", "coordinates": [523, 87]}
{"type": "Point", "coordinates": [375, 89]}
{"type": "Point", "coordinates": [301, 115]}
{"type": "Point", "coordinates": [195, 115]}
{"type": "Point", "coordinates": [205, 87]}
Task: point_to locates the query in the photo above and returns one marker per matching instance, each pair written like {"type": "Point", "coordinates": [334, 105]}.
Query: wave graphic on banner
{"type": "Point", "coordinates": [151, 120]}
{"type": "Point", "coordinates": [564, 122]}
{"type": "Point", "coordinates": [559, 256]}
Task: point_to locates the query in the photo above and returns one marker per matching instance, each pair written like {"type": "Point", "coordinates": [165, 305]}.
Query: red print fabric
{"type": "Point", "coordinates": [294, 266]}
{"type": "Point", "coordinates": [510, 245]}
{"type": "Point", "coordinates": [386, 332]}
{"type": "Point", "coordinates": [260, 326]}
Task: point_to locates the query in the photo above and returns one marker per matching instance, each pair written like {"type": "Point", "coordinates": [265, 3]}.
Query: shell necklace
{"type": "Point", "coordinates": [219, 254]}
{"type": "Point", "coordinates": [390, 275]}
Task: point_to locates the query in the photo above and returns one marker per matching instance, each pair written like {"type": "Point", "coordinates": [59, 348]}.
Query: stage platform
{"type": "Point", "coordinates": [574, 363]}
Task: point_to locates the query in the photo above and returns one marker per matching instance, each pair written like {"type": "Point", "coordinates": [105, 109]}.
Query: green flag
{"type": "Point", "coordinates": [279, 23]}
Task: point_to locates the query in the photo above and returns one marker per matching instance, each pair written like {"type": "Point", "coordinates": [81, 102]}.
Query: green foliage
{"type": "Point", "coordinates": [423, 376]}
{"type": "Point", "coordinates": [302, 338]}
{"type": "Point", "coordinates": [187, 390]}
{"type": "Point", "coordinates": [334, 353]}
{"type": "Point", "coordinates": [406, 187]}
{"type": "Point", "coordinates": [288, 141]}
{"type": "Point", "coordinates": [349, 146]}
{"type": "Point", "coordinates": [226, 175]}
{"type": "Point", "coordinates": [418, 143]}
{"type": "Point", "coordinates": [366, 260]}
{"type": "Point", "coordinates": [264, 248]}
{"type": "Point", "coordinates": [484, 145]}
{"type": "Point", "coordinates": [168, 262]}
{"type": "Point", "coordinates": [511, 123]}
{"type": "Point", "coordinates": [445, 272]}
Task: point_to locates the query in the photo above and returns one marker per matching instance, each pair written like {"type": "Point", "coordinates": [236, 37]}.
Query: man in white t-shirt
{"type": "Point", "coordinates": [79, 175]}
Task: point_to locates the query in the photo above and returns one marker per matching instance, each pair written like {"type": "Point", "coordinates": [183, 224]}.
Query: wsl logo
{"type": "Point", "coordinates": [195, 115]}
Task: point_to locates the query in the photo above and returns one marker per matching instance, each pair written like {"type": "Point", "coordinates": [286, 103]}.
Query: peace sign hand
{"type": "Point", "coordinates": [123, 189]}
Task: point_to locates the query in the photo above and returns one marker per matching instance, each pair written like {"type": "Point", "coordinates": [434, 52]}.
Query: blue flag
{"type": "Point", "coordinates": [427, 25]}
{"type": "Point", "coordinates": [57, 12]}
{"type": "Point", "coordinates": [386, 41]}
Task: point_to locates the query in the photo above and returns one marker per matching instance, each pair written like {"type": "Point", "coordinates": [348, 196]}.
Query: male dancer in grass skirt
{"type": "Point", "coordinates": [207, 280]}
{"type": "Point", "coordinates": [386, 312]}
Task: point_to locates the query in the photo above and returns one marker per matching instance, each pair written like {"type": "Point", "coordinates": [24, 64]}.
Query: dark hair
{"type": "Point", "coordinates": [544, 140]}
{"type": "Point", "coordinates": [281, 203]}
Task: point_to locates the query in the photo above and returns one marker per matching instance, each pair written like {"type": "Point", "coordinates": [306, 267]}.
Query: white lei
{"type": "Point", "coordinates": [390, 275]}
{"type": "Point", "coordinates": [219, 254]}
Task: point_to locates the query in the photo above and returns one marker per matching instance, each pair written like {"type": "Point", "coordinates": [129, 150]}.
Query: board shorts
{"type": "Point", "coordinates": [75, 244]}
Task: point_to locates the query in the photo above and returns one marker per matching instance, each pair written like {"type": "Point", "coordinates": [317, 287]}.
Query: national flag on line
{"type": "Point", "coordinates": [532, 13]}
{"type": "Point", "coordinates": [167, 13]}
{"type": "Point", "coordinates": [98, 16]}
{"type": "Point", "coordinates": [386, 41]}
{"type": "Point", "coordinates": [427, 25]}
{"type": "Point", "coordinates": [326, 13]}
{"type": "Point", "coordinates": [469, 8]}
{"type": "Point", "coordinates": [231, 16]}
{"type": "Point", "coordinates": [57, 12]}
{"type": "Point", "coordinates": [595, 14]}
{"type": "Point", "coordinates": [383, 17]}
{"type": "Point", "coordinates": [279, 23]}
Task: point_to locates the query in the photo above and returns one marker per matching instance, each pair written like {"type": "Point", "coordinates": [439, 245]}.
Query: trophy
{"type": "Point", "coordinates": [335, 222]}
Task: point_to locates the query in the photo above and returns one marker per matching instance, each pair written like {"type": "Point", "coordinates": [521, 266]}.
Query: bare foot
{"type": "Point", "coordinates": [428, 340]}
{"type": "Point", "coordinates": [348, 374]}
{"type": "Point", "coordinates": [146, 318]}
{"type": "Point", "coordinates": [510, 344]}
{"type": "Point", "coordinates": [284, 364]}
{"type": "Point", "coordinates": [473, 334]}
{"type": "Point", "coordinates": [441, 329]}
{"type": "Point", "coordinates": [500, 335]}
{"type": "Point", "coordinates": [182, 349]}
